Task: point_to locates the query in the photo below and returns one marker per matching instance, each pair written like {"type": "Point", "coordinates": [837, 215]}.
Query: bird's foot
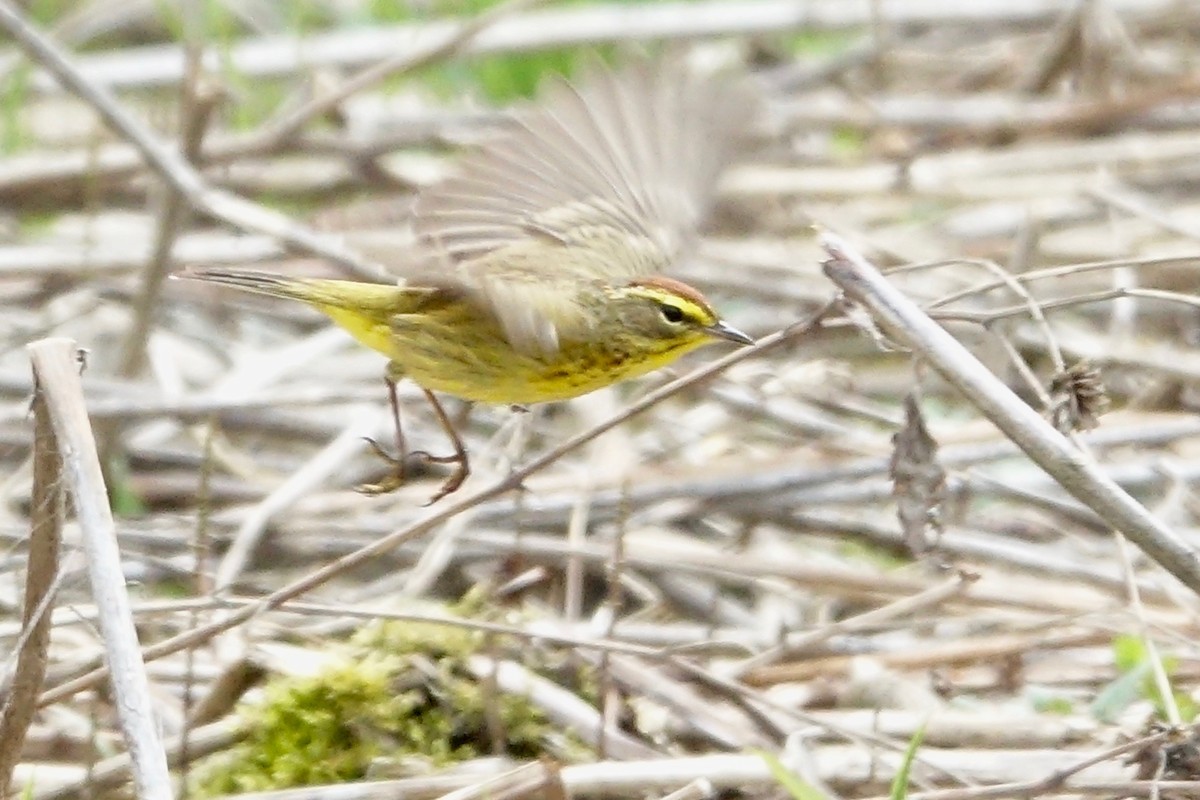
{"type": "Point", "coordinates": [462, 469]}
{"type": "Point", "coordinates": [398, 477]}
{"type": "Point", "coordinates": [386, 486]}
{"type": "Point", "coordinates": [390, 483]}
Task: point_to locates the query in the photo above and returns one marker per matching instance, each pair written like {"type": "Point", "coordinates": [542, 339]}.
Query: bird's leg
{"type": "Point", "coordinates": [394, 481]}
{"type": "Point", "coordinates": [459, 457]}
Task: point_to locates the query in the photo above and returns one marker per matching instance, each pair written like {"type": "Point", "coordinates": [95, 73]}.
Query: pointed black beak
{"type": "Point", "coordinates": [722, 330]}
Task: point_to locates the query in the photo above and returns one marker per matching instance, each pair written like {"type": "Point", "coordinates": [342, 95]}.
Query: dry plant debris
{"type": "Point", "coordinates": [641, 592]}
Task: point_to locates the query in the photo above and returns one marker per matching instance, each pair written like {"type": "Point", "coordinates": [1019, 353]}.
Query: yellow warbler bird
{"type": "Point", "coordinates": [544, 254]}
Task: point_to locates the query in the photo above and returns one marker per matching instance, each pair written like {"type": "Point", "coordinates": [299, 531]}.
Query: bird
{"type": "Point", "coordinates": [542, 258]}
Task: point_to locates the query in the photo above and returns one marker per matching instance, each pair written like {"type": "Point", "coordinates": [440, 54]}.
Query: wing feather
{"type": "Point", "coordinates": [606, 179]}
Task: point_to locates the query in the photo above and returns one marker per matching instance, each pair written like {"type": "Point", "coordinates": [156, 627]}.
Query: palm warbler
{"type": "Point", "coordinates": [544, 253]}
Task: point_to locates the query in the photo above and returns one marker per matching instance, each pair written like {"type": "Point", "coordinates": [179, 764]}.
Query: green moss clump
{"type": "Point", "coordinates": [401, 693]}
{"type": "Point", "coordinates": [319, 729]}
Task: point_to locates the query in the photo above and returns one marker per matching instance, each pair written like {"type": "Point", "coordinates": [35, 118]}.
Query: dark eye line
{"type": "Point", "coordinates": [671, 313]}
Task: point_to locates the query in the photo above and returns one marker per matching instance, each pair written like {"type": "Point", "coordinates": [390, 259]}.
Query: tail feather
{"type": "Point", "coordinates": [251, 281]}
{"type": "Point", "coordinates": [367, 299]}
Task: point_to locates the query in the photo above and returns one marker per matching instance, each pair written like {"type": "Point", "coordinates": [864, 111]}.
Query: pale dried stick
{"type": "Point", "coordinates": [56, 366]}
{"type": "Point", "coordinates": [907, 324]}
{"type": "Point", "coordinates": [316, 471]}
{"type": "Point", "coordinates": [170, 164]}
{"type": "Point", "coordinates": [47, 509]}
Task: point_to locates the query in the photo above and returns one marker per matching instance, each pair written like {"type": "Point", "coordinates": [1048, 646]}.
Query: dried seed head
{"type": "Point", "coordinates": [1077, 398]}
{"type": "Point", "coordinates": [918, 480]}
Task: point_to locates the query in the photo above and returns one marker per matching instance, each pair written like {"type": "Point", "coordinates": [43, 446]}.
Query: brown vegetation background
{"type": "Point", "coordinates": [814, 549]}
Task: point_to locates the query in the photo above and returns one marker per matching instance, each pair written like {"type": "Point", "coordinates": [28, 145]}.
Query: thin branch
{"type": "Point", "coordinates": [1053, 452]}
{"type": "Point", "coordinates": [169, 164]}
{"type": "Point", "coordinates": [47, 510]}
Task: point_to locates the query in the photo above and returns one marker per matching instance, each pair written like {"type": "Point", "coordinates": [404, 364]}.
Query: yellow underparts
{"type": "Point", "coordinates": [456, 350]}
{"type": "Point", "coordinates": [370, 330]}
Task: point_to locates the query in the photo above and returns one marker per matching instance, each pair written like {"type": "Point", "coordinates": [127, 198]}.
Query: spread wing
{"type": "Point", "coordinates": [605, 179]}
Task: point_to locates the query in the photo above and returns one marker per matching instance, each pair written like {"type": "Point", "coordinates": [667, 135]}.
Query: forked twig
{"type": "Point", "coordinates": [1074, 470]}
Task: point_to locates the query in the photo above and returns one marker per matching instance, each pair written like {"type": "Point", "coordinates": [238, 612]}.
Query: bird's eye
{"type": "Point", "coordinates": [671, 313]}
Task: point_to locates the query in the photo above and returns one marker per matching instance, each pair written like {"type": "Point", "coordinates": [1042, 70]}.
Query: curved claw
{"type": "Point", "coordinates": [377, 448]}
{"type": "Point", "coordinates": [452, 484]}
{"type": "Point", "coordinates": [397, 479]}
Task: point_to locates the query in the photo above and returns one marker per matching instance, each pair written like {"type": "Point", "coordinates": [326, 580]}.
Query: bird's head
{"type": "Point", "coordinates": [666, 315]}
